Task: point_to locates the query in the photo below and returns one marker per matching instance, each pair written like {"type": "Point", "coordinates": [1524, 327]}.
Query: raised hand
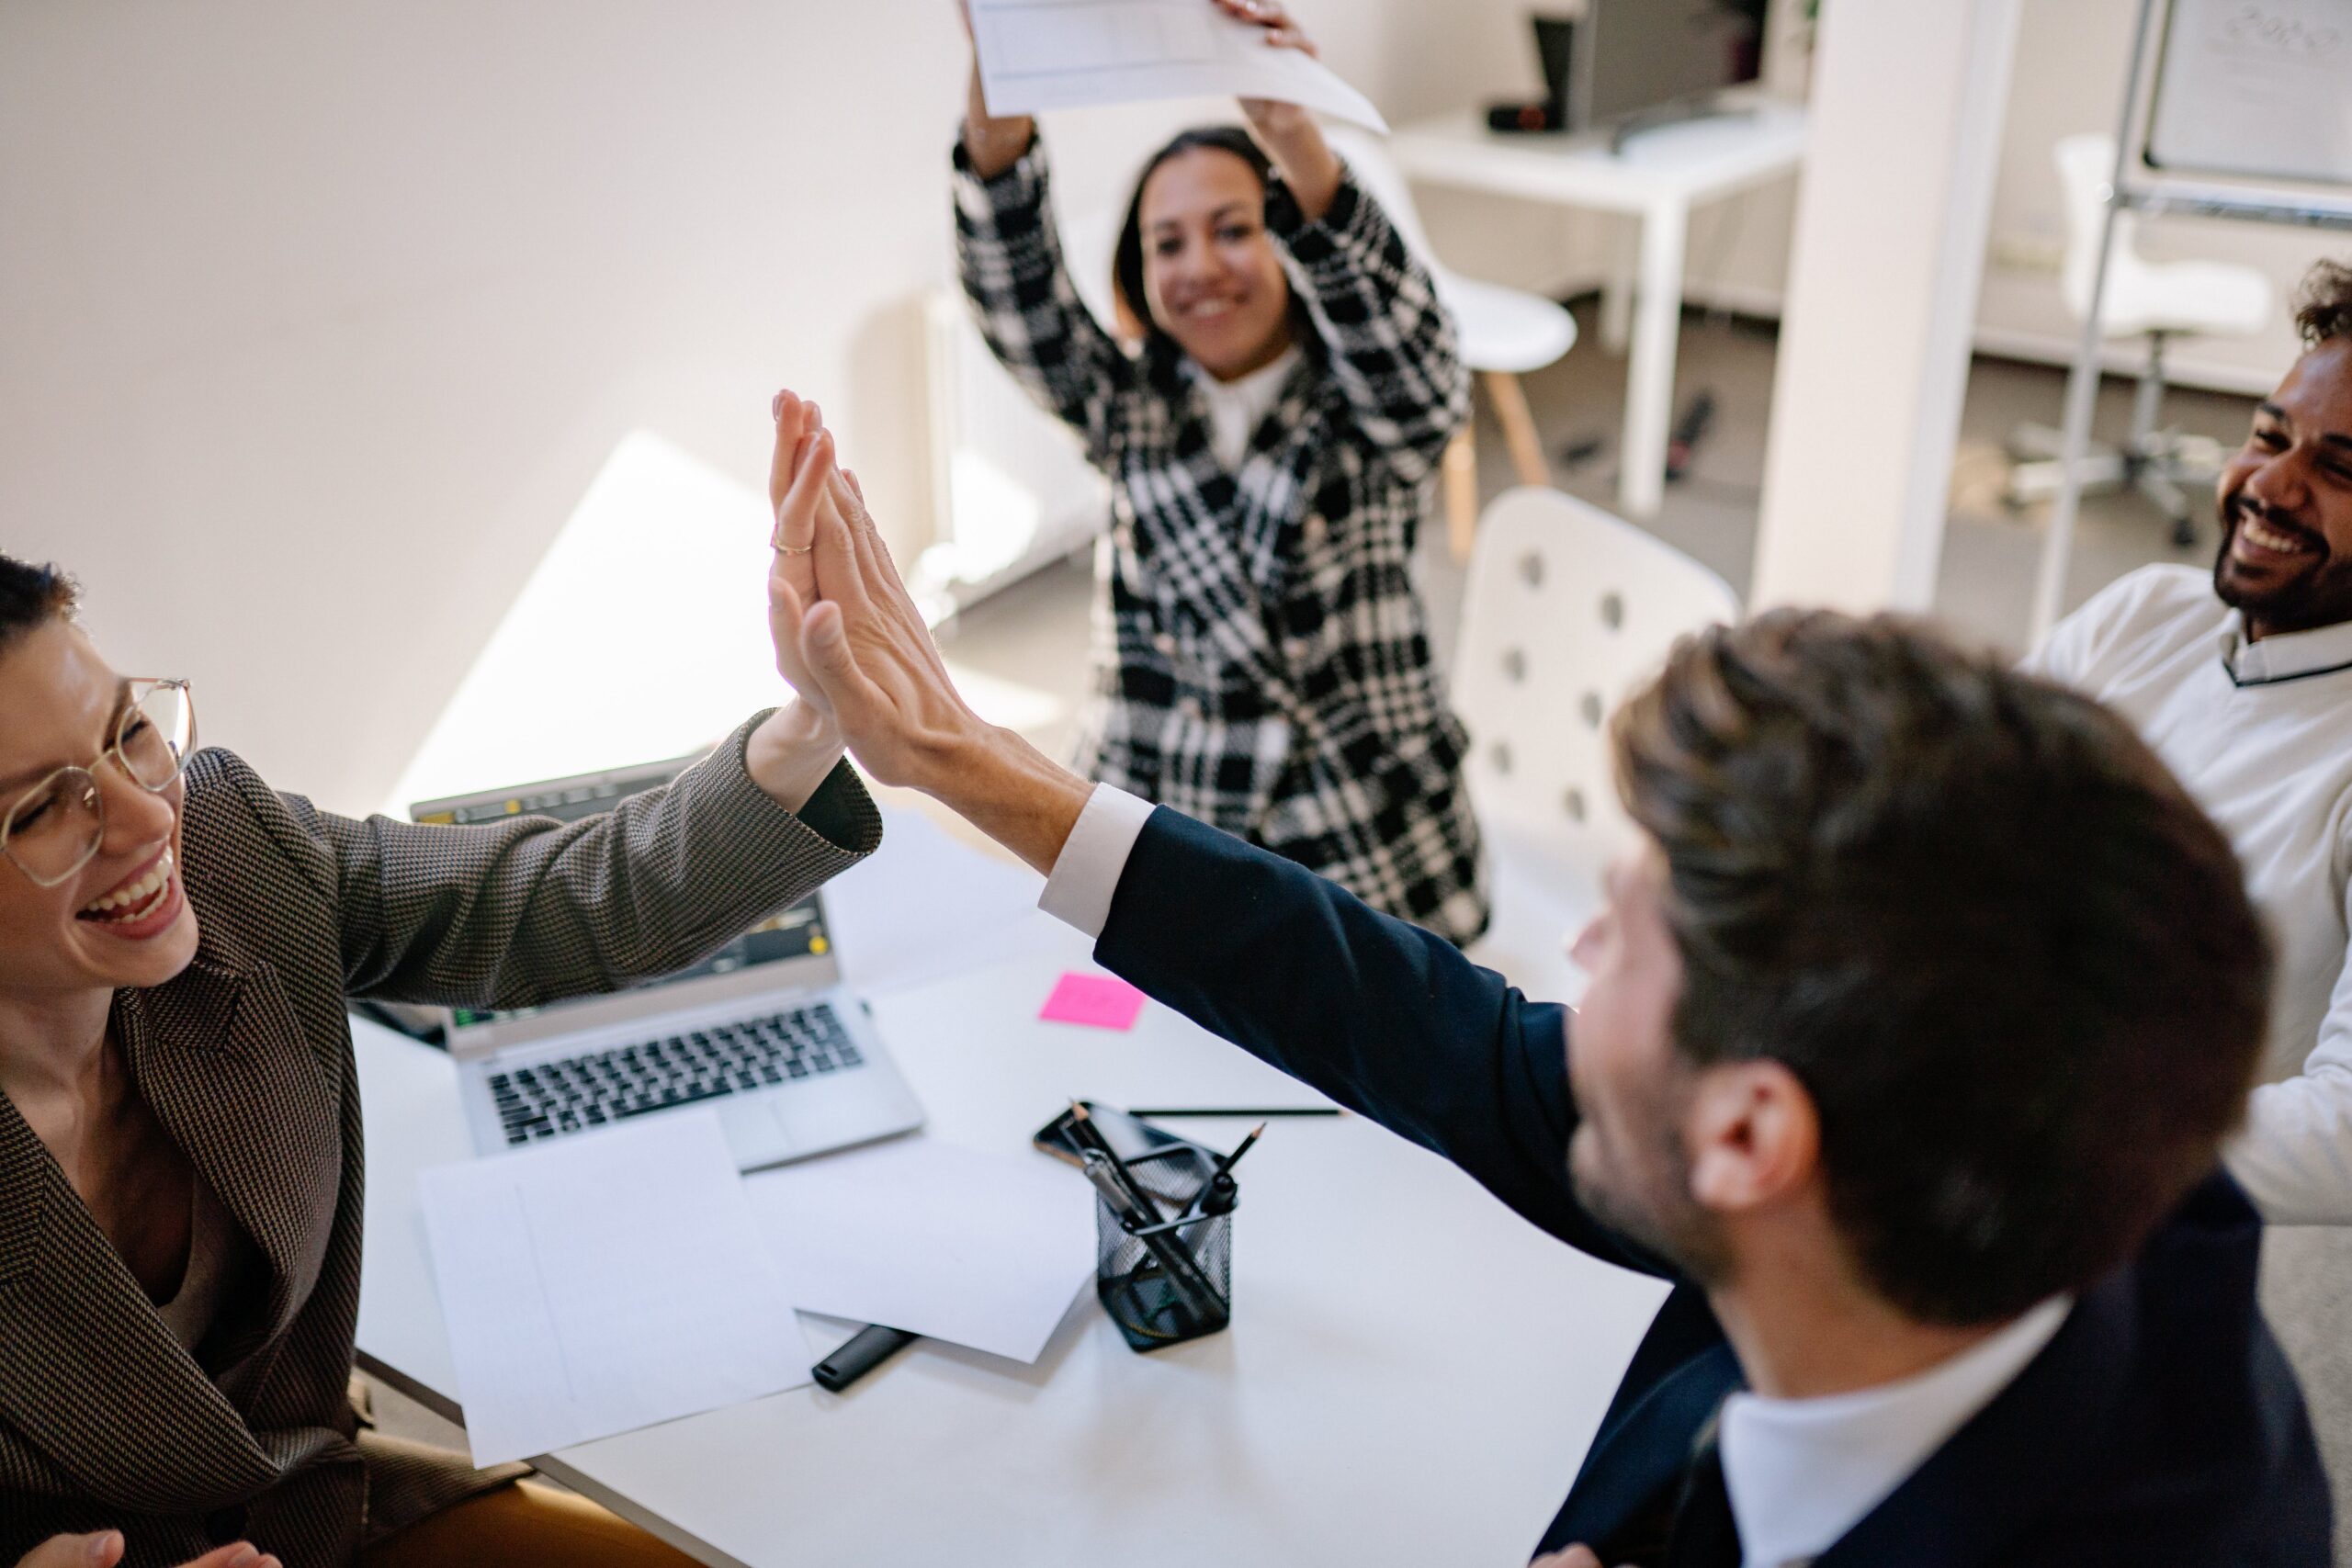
{"type": "Point", "coordinates": [1282, 31]}
{"type": "Point", "coordinates": [855, 646]}
{"type": "Point", "coordinates": [993, 143]}
{"type": "Point", "coordinates": [1290, 133]}
{"type": "Point", "coordinates": [858, 652]}
{"type": "Point", "coordinates": [1272, 117]}
{"type": "Point", "coordinates": [796, 747]}
{"type": "Point", "coordinates": [792, 569]}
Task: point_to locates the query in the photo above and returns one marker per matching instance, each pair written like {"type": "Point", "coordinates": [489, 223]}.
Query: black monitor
{"type": "Point", "coordinates": [1625, 63]}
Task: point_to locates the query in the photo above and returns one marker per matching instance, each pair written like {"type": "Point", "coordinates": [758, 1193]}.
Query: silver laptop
{"type": "Point", "coordinates": [762, 1031]}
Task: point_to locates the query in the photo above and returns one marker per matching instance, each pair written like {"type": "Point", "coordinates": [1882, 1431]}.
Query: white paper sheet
{"type": "Point", "coordinates": [1063, 55]}
{"type": "Point", "coordinates": [979, 1250]}
{"type": "Point", "coordinates": [923, 907]}
{"type": "Point", "coordinates": [604, 1282]}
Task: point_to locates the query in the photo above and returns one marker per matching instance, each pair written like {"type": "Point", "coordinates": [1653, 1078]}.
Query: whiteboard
{"type": "Point", "coordinates": [2259, 88]}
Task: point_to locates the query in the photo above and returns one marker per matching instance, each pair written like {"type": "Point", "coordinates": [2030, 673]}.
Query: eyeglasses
{"type": "Point", "coordinates": [55, 828]}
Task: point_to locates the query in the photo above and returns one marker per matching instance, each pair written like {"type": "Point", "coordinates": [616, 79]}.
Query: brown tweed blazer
{"type": "Point", "coordinates": [105, 1422]}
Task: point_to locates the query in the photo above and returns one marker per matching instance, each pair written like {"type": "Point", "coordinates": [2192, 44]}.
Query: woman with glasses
{"type": "Point", "coordinates": [180, 1160]}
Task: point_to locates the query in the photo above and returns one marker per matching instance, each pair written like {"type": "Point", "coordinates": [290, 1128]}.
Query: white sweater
{"type": "Point", "coordinates": [2261, 733]}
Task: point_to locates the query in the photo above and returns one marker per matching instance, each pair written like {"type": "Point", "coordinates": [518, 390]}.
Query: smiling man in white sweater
{"type": "Point", "coordinates": [2242, 681]}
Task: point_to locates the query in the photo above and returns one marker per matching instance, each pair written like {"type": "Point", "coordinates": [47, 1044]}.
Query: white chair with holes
{"type": "Point", "coordinates": [1504, 333]}
{"type": "Point", "coordinates": [1567, 610]}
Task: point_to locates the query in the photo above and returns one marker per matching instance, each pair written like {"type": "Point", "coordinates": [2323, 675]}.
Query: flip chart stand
{"type": "Point", "coordinates": [2137, 187]}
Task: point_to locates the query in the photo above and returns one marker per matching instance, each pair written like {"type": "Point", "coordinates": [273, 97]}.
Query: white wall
{"type": "Point", "coordinates": [321, 318]}
{"type": "Point", "coordinates": [317, 321]}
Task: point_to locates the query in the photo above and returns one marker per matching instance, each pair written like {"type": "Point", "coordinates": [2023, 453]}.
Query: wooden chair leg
{"type": "Point", "coordinates": [1519, 428]}
{"type": "Point", "coordinates": [1461, 494]}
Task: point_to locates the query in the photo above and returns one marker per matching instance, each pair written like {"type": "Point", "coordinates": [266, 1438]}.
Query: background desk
{"type": "Point", "coordinates": [1659, 178]}
{"type": "Point", "coordinates": [1414, 1385]}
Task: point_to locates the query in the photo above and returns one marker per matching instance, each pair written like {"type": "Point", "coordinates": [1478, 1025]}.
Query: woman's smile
{"type": "Point", "coordinates": [142, 906]}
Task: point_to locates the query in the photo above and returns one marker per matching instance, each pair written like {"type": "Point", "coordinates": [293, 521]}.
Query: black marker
{"type": "Point", "coordinates": [860, 1354]}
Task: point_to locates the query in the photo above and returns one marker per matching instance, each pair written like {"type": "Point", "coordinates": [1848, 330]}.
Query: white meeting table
{"type": "Point", "coordinates": [1411, 1376]}
{"type": "Point", "coordinates": [1659, 177]}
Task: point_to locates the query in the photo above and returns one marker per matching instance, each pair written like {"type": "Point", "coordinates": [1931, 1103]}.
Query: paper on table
{"type": "Point", "coordinates": [1105, 1001]}
{"type": "Point", "coordinates": [1067, 54]}
{"type": "Point", "coordinates": [923, 907]}
{"type": "Point", "coordinates": [979, 1250]}
{"type": "Point", "coordinates": [604, 1282]}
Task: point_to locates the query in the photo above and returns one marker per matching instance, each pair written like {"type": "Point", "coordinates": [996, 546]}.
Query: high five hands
{"type": "Point", "coordinates": [852, 644]}
{"type": "Point", "coordinates": [847, 635]}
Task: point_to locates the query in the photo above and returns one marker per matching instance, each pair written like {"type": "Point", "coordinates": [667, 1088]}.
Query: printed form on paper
{"type": "Point", "coordinates": [1059, 55]}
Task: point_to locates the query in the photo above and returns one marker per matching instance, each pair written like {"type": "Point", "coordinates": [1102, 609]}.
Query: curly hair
{"type": "Point", "coordinates": [2324, 303]}
{"type": "Point", "coordinates": [2011, 961]}
{"type": "Point", "coordinates": [30, 596]}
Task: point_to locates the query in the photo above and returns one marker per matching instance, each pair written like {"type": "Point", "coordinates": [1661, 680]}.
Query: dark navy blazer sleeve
{"type": "Point", "coordinates": [1382, 1016]}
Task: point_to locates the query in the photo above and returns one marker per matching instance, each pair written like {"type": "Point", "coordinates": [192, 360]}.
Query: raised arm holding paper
{"type": "Point", "coordinates": [1899, 956]}
{"type": "Point", "coordinates": [1282, 384]}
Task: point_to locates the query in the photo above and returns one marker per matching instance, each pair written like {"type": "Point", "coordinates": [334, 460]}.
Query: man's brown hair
{"type": "Point", "coordinates": [2011, 961]}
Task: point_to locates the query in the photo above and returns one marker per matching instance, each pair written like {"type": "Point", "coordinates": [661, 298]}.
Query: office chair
{"type": "Point", "coordinates": [1566, 611]}
{"type": "Point", "coordinates": [2155, 300]}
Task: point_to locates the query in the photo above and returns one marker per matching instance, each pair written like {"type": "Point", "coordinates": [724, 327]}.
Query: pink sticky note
{"type": "Point", "coordinates": [1101, 1000]}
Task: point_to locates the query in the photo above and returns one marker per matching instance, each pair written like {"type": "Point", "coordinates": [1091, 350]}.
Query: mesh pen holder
{"type": "Point", "coordinates": [1156, 1305]}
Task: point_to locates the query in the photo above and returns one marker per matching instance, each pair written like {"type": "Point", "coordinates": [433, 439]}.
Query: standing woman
{"type": "Point", "coordinates": [1263, 661]}
{"type": "Point", "coordinates": [180, 1159]}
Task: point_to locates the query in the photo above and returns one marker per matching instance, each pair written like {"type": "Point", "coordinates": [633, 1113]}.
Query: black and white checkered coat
{"type": "Point", "coordinates": [1263, 661]}
{"type": "Point", "coordinates": [246, 1057]}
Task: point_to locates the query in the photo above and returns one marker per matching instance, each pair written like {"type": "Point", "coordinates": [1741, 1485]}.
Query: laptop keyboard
{"type": "Point", "coordinates": [572, 1093]}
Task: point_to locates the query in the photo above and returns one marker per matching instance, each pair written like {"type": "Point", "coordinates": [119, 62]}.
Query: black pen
{"type": "Point", "coordinates": [1083, 1131]}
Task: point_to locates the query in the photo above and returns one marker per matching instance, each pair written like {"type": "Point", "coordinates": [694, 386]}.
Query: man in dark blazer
{"type": "Point", "coordinates": [1915, 1022]}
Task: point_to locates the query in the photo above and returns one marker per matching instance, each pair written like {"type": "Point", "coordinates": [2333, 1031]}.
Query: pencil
{"type": "Point", "coordinates": [1257, 1111]}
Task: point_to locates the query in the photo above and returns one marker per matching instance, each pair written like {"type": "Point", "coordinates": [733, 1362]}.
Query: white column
{"type": "Point", "coordinates": [1907, 109]}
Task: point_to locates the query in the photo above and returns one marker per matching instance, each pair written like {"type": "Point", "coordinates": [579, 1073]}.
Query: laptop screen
{"type": "Point", "coordinates": [797, 933]}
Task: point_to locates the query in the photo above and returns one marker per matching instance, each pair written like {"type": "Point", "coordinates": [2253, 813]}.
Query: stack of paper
{"type": "Point", "coordinates": [979, 1250]}
{"type": "Point", "coordinates": [615, 1279]}
{"type": "Point", "coordinates": [605, 1282]}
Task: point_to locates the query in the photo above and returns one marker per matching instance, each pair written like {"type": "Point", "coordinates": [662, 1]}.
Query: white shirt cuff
{"type": "Point", "coordinates": [1086, 874]}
